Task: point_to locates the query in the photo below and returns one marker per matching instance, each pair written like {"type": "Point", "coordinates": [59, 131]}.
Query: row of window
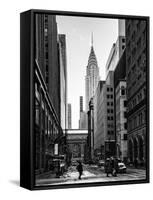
{"type": "Point", "coordinates": [110, 118]}
{"type": "Point", "coordinates": [137, 120]}
{"type": "Point", "coordinates": [109, 110]}
{"type": "Point", "coordinates": [137, 99]}
{"type": "Point", "coordinates": [109, 89]}
{"type": "Point", "coordinates": [110, 125]}
{"type": "Point", "coordinates": [109, 96]}
{"type": "Point", "coordinates": [110, 132]}
{"type": "Point", "coordinates": [43, 117]}
{"type": "Point", "coordinates": [109, 103]}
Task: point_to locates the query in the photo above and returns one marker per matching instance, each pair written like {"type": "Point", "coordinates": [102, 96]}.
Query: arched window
{"type": "Point", "coordinates": [122, 90]}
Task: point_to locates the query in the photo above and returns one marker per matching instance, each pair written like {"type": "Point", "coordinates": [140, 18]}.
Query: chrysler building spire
{"type": "Point", "coordinates": [92, 75]}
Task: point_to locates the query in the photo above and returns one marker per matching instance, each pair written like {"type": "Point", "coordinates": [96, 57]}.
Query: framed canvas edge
{"type": "Point", "coordinates": [32, 185]}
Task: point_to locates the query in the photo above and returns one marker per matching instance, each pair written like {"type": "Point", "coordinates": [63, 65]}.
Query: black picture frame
{"type": "Point", "coordinates": [27, 104]}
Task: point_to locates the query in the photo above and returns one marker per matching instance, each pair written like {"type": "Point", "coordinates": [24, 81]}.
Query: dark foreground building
{"type": "Point", "coordinates": [136, 89]}
{"type": "Point", "coordinates": [50, 139]}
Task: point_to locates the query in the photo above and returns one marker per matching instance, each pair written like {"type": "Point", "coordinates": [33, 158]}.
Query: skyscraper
{"type": "Point", "coordinates": [69, 116]}
{"type": "Point", "coordinates": [83, 116]}
{"type": "Point", "coordinates": [49, 90]}
{"type": "Point", "coordinates": [92, 76]}
{"type": "Point", "coordinates": [81, 103]}
{"type": "Point", "coordinates": [136, 53]}
{"type": "Point", "coordinates": [63, 80]}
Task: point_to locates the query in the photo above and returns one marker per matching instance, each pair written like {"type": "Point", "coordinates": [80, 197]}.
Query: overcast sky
{"type": "Point", "coordinates": [78, 31]}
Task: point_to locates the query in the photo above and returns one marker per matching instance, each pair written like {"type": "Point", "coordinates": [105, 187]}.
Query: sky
{"type": "Point", "coordinates": [78, 31]}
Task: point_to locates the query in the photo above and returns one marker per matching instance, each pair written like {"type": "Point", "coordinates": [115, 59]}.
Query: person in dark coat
{"type": "Point", "coordinates": [108, 167]}
{"type": "Point", "coordinates": [115, 167]}
{"type": "Point", "coordinates": [80, 169]}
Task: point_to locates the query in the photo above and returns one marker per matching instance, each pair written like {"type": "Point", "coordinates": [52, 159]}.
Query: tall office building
{"type": "Point", "coordinates": [48, 130]}
{"type": "Point", "coordinates": [81, 103]}
{"type": "Point", "coordinates": [69, 116]}
{"type": "Point", "coordinates": [63, 79]}
{"type": "Point", "coordinates": [83, 124]}
{"type": "Point", "coordinates": [117, 48]}
{"type": "Point", "coordinates": [98, 122]}
{"type": "Point", "coordinates": [92, 76]}
{"type": "Point", "coordinates": [121, 108]}
{"type": "Point", "coordinates": [136, 51]}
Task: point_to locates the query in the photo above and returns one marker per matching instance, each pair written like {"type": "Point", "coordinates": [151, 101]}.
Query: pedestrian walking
{"type": "Point", "coordinates": [80, 169]}
{"type": "Point", "coordinates": [115, 167]}
{"type": "Point", "coordinates": [107, 167]}
{"type": "Point", "coordinates": [112, 166]}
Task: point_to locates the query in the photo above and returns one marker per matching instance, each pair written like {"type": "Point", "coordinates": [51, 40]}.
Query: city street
{"type": "Point", "coordinates": [92, 173]}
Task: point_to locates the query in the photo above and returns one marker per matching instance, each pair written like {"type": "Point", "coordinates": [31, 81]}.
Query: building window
{"type": "Point", "coordinates": [46, 68]}
{"type": "Point", "coordinates": [37, 111]}
{"type": "Point", "coordinates": [46, 45]}
{"type": "Point", "coordinates": [46, 55]}
{"type": "Point", "coordinates": [111, 103]}
{"type": "Point", "coordinates": [111, 110]}
{"type": "Point", "coordinates": [108, 118]}
{"type": "Point", "coordinates": [123, 40]}
{"type": "Point", "coordinates": [111, 96]}
{"type": "Point", "coordinates": [108, 111]}
{"type": "Point", "coordinates": [110, 132]}
{"type": "Point", "coordinates": [125, 103]}
{"type": "Point", "coordinates": [125, 125]}
{"type": "Point", "coordinates": [140, 118]}
{"type": "Point", "coordinates": [122, 90]}
{"type": "Point", "coordinates": [107, 89]}
{"type": "Point", "coordinates": [123, 46]}
{"type": "Point", "coordinates": [135, 122]}
{"type": "Point", "coordinates": [125, 114]}
{"type": "Point", "coordinates": [125, 137]}
{"type": "Point", "coordinates": [112, 118]}
{"type": "Point", "coordinates": [107, 103]}
{"type": "Point", "coordinates": [47, 80]}
{"type": "Point", "coordinates": [108, 96]}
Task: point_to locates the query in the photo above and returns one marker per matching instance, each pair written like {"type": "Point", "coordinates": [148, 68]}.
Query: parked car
{"type": "Point", "coordinates": [121, 167]}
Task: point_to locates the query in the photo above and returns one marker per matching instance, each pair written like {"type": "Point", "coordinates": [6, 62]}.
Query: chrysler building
{"type": "Point", "coordinates": [92, 76]}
